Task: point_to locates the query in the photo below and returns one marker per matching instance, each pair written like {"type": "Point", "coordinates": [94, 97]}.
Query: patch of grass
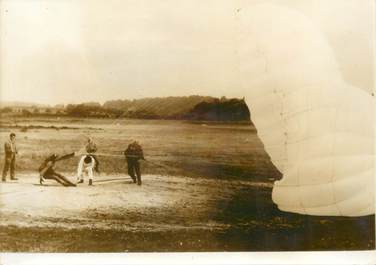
{"type": "Point", "coordinates": [171, 147]}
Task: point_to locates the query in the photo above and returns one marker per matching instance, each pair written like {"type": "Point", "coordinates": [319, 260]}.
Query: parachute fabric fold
{"type": "Point", "coordinates": [317, 129]}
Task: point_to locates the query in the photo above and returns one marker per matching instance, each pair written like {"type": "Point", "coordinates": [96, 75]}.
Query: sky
{"type": "Point", "coordinates": [72, 51]}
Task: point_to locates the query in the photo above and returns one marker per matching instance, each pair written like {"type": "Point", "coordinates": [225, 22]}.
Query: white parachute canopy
{"type": "Point", "coordinates": [317, 129]}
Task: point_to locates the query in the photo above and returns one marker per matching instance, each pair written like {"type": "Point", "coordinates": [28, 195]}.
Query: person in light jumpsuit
{"type": "Point", "coordinates": [86, 165]}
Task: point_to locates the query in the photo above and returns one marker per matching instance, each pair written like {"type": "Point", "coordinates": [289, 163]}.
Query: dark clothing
{"type": "Point", "coordinates": [10, 148]}
{"type": "Point", "coordinates": [91, 148]}
{"type": "Point", "coordinates": [10, 163]}
{"type": "Point", "coordinates": [133, 154]}
{"type": "Point", "coordinates": [51, 174]}
{"type": "Point", "coordinates": [134, 169]}
{"type": "Point", "coordinates": [49, 162]}
{"type": "Point", "coordinates": [96, 167]}
{"type": "Point", "coordinates": [47, 171]}
{"type": "Point", "coordinates": [134, 150]}
{"type": "Point", "coordinates": [10, 159]}
{"type": "Point", "coordinates": [59, 158]}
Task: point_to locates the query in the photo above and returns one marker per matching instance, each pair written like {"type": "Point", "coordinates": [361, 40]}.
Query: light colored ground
{"type": "Point", "coordinates": [114, 202]}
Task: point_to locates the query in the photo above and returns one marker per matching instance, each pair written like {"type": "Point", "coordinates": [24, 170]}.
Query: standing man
{"type": "Point", "coordinates": [91, 148]}
{"type": "Point", "coordinates": [133, 154]}
{"type": "Point", "coordinates": [10, 157]}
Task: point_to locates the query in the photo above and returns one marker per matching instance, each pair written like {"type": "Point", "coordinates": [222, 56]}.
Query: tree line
{"type": "Point", "coordinates": [179, 108]}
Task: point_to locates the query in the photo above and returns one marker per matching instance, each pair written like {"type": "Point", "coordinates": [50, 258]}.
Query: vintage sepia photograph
{"type": "Point", "coordinates": [187, 126]}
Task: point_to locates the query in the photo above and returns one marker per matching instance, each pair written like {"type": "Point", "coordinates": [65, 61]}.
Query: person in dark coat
{"type": "Point", "coordinates": [10, 157]}
{"type": "Point", "coordinates": [47, 170]}
{"type": "Point", "coordinates": [133, 154]}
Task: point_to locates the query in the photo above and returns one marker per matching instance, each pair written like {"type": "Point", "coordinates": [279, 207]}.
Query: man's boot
{"type": "Point", "coordinates": [13, 178]}
{"type": "Point", "coordinates": [90, 182]}
{"type": "Point", "coordinates": [3, 179]}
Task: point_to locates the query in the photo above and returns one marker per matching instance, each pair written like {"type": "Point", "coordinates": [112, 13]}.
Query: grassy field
{"type": "Point", "coordinates": [199, 150]}
{"type": "Point", "coordinates": [207, 188]}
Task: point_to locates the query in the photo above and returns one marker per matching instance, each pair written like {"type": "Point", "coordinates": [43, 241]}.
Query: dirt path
{"type": "Point", "coordinates": [167, 213]}
{"type": "Point", "coordinates": [114, 202]}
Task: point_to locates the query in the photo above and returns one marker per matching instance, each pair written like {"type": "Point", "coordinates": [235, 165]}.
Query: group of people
{"type": "Point", "coordinates": [87, 165]}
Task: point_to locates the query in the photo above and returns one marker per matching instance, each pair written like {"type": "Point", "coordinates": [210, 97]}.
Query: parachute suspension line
{"type": "Point", "coordinates": [116, 119]}
{"type": "Point", "coordinates": [166, 167]}
{"type": "Point", "coordinates": [111, 155]}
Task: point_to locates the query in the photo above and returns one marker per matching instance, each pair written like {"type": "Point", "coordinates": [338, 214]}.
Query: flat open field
{"type": "Point", "coordinates": [206, 187]}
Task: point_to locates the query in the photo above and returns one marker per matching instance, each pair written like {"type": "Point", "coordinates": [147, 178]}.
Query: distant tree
{"type": "Point", "coordinates": [26, 112]}
{"type": "Point", "coordinates": [92, 104]}
{"type": "Point", "coordinates": [6, 110]}
{"type": "Point", "coordinates": [220, 110]}
{"type": "Point", "coordinates": [192, 107]}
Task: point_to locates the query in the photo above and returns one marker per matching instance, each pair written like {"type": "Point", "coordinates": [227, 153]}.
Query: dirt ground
{"type": "Point", "coordinates": [164, 214]}
{"type": "Point", "coordinates": [115, 202]}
